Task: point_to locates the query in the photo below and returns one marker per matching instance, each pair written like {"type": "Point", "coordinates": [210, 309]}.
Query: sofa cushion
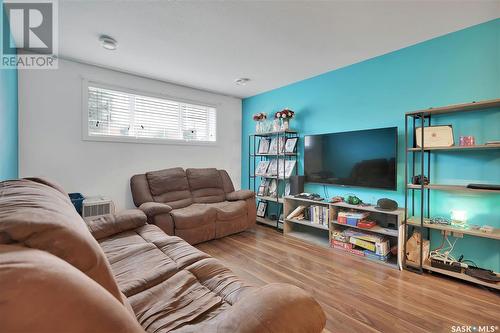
{"type": "Point", "coordinates": [229, 210]}
{"type": "Point", "coordinates": [44, 294]}
{"type": "Point", "coordinates": [193, 216]}
{"type": "Point", "coordinates": [170, 186]}
{"type": "Point", "coordinates": [39, 216]}
{"type": "Point", "coordinates": [110, 224]}
{"type": "Point", "coordinates": [175, 302]}
{"type": "Point", "coordinates": [143, 269]}
{"type": "Point", "coordinates": [206, 185]}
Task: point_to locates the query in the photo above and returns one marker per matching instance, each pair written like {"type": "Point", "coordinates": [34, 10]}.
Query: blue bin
{"type": "Point", "coordinates": [77, 201]}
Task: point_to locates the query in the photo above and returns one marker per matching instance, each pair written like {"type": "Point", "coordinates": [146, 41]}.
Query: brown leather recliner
{"type": "Point", "coordinates": [116, 273]}
{"type": "Point", "coordinates": [196, 204]}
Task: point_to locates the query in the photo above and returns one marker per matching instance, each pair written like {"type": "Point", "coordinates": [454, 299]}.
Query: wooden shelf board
{"type": "Point", "coordinates": [308, 223]}
{"type": "Point", "coordinates": [460, 188]}
{"type": "Point", "coordinates": [458, 148]}
{"type": "Point", "coordinates": [307, 200]}
{"type": "Point", "coordinates": [376, 229]}
{"type": "Point", "coordinates": [481, 105]}
{"type": "Point", "coordinates": [461, 276]}
{"type": "Point", "coordinates": [369, 208]}
{"type": "Point", "coordinates": [268, 198]}
{"type": "Point", "coordinates": [304, 236]}
{"type": "Point", "coordinates": [266, 221]}
{"type": "Point", "coordinates": [415, 221]}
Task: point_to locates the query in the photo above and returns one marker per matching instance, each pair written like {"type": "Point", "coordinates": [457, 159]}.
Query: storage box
{"type": "Point", "coordinates": [362, 243]}
{"type": "Point", "coordinates": [352, 221]}
{"type": "Point", "coordinates": [77, 201]}
{"type": "Point", "coordinates": [375, 256]}
{"type": "Point", "coordinates": [344, 245]}
{"type": "Point", "coordinates": [342, 219]}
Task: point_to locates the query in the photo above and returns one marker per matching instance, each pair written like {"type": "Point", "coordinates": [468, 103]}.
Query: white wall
{"type": "Point", "coordinates": [50, 134]}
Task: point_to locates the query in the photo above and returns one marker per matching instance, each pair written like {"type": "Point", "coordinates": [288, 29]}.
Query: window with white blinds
{"type": "Point", "coordinates": [118, 114]}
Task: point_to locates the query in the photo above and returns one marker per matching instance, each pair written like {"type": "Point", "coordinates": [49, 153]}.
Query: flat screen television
{"type": "Point", "coordinates": [365, 158]}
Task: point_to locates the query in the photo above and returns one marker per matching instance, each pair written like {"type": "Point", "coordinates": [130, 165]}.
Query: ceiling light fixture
{"type": "Point", "coordinates": [108, 43]}
{"type": "Point", "coordinates": [242, 81]}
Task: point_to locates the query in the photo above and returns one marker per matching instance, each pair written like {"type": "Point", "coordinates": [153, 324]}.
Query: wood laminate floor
{"type": "Point", "coordinates": [357, 295]}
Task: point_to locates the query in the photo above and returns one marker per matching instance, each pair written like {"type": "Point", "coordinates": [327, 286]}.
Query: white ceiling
{"type": "Point", "coordinates": [209, 44]}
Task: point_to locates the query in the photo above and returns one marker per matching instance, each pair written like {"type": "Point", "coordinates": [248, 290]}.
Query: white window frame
{"type": "Point", "coordinates": [123, 139]}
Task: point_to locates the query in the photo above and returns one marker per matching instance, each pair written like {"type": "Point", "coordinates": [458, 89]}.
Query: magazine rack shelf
{"type": "Point", "coordinates": [273, 200]}
{"type": "Point", "coordinates": [417, 196]}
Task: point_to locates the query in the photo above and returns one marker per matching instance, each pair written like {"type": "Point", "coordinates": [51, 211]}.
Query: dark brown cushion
{"type": "Point", "coordinates": [203, 178]}
{"type": "Point", "coordinates": [155, 208]}
{"type": "Point", "coordinates": [240, 195]}
{"type": "Point", "coordinates": [167, 180]}
{"type": "Point", "coordinates": [193, 216]}
{"type": "Point", "coordinates": [44, 294]}
{"type": "Point", "coordinates": [39, 216]}
{"type": "Point", "coordinates": [110, 224]}
{"type": "Point", "coordinates": [206, 185]}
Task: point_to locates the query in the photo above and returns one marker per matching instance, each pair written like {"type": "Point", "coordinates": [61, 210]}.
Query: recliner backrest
{"type": "Point", "coordinates": [179, 188]}
{"type": "Point", "coordinates": [170, 186]}
{"type": "Point", "coordinates": [206, 185]}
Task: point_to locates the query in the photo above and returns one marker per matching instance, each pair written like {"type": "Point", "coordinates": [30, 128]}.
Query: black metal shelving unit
{"type": "Point", "coordinates": [418, 162]}
{"type": "Point", "coordinates": [254, 180]}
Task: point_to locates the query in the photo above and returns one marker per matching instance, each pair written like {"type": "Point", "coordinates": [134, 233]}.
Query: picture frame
{"type": "Point", "coordinates": [289, 167]}
{"type": "Point", "coordinates": [281, 145]}
{"type": "Point", "coordinates": [290, 145]}
{"type": "Point", "coordinates": [261, 209]}
{"type": "Point", "coordinates": [287, 189]}
{"type": "Point", "coordinates": [262, 190]}
{"type": "Point", "coordinates": [261, 169]}
{"type": "Point", "coordinates": [273, 146]}
{"type": "Point", "coordinates": [264, 144]}
{"type": "Point", "coordinates": [272, 169]}
{"type": "Point", "coordinates": [272, 188]}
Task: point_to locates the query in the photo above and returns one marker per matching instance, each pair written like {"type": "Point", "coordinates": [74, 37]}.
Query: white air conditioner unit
{"type": "Point", "coordinates": [98, 205]}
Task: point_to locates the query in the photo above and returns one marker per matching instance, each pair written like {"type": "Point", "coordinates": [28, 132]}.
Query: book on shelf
{"type": "Point", "coordinates": [296, 212]}
{"type": "Point", "coordinates": [317, 214]}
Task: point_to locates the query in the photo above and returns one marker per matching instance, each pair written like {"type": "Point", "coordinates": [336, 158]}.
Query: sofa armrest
{"type": "Point", "coordinates": [273, 308]}
{"type": "Point", "coordinates": [110, 224]}
{"type": "Point", "coordinates": [152, 209]}
{"type": "Point", "coordinates": [240, 195]}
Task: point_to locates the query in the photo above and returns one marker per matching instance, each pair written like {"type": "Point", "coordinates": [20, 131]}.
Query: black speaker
{"type": "Point", "coordinates": [296, 184]}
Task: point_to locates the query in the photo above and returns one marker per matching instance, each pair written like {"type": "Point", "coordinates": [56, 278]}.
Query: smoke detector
{"type": "Point", "coordinates": [242, 81]}
{"type": "Point", "coordinates": [108, 43]}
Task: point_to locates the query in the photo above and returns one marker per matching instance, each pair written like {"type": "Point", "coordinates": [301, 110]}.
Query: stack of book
{"type": "Point", "coordinates": [314, 214]}
{"type": "Point", "coordinates": [363, 244]}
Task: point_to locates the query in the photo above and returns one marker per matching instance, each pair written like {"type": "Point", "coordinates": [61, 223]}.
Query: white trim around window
{"type": "Point", "coordinates": [116, 114]}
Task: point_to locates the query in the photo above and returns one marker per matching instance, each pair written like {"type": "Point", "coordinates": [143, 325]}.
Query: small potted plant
{"type": "Point", "coordinates": [259, 118]}
{"type": "Point", "coordinates": [284, 116]}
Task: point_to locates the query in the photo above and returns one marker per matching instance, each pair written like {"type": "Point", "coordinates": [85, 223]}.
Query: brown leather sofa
{"type": "Point", "coordinates": [117, 273]}
{"type": "Point", "coordinates": [196, 204]}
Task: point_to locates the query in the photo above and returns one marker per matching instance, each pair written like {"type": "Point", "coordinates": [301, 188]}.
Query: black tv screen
{"type": "Point", "coordinates": [364, 158]}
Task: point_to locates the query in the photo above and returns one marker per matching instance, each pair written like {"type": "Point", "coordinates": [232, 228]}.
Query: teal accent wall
{"type": "Point", "coordinates": [459, 67]}
{"type": "Point", "coordinates": [8, 120]}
